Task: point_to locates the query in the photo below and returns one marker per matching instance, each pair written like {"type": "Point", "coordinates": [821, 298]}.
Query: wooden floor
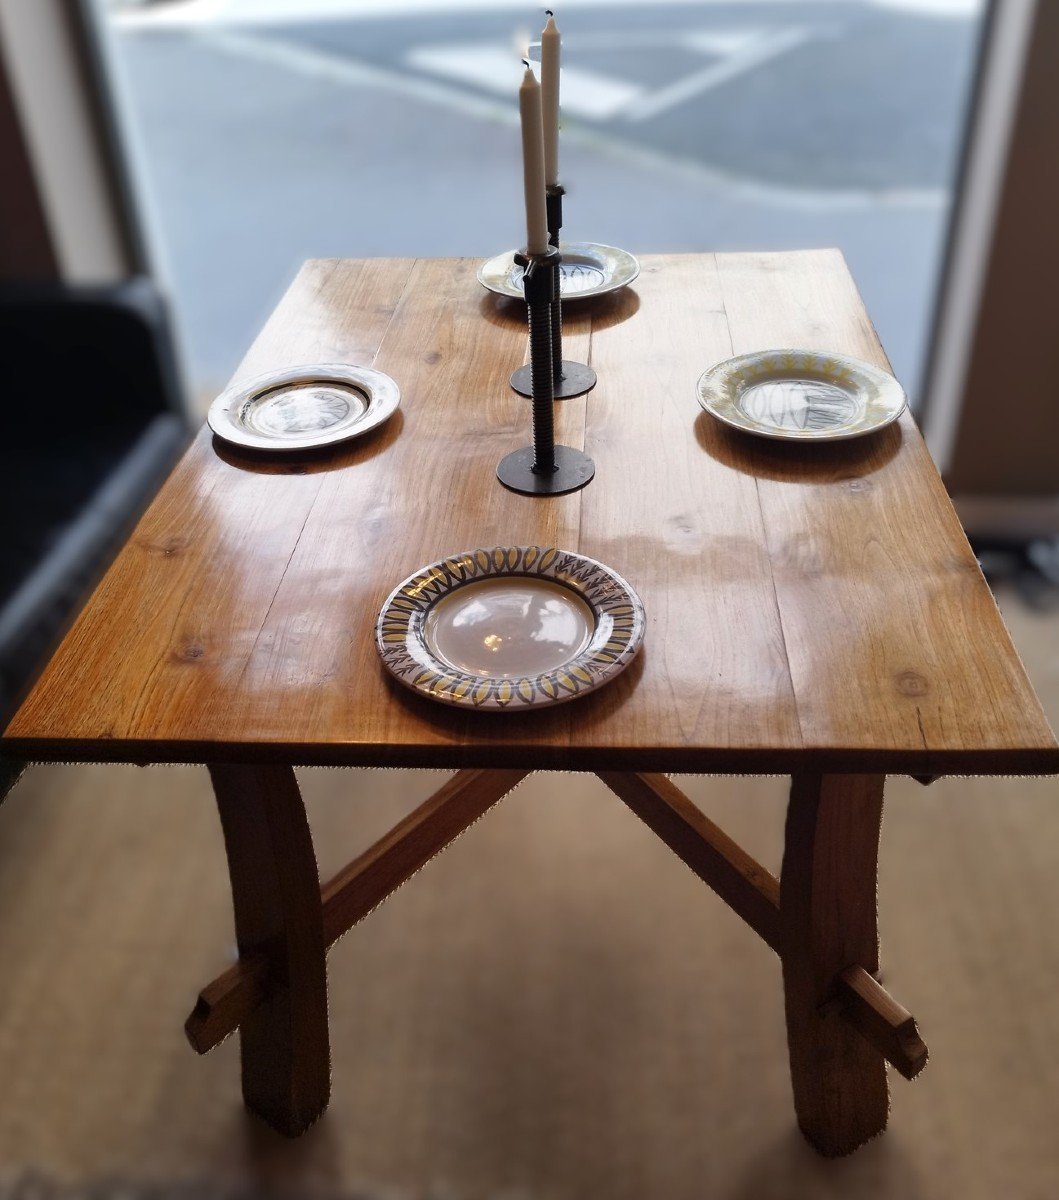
{"type": "Point", "coordinates": [554, 1008]}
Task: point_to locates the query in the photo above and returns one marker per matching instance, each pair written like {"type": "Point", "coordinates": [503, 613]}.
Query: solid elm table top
{"type": "Point", "coordinates": [809, 608]}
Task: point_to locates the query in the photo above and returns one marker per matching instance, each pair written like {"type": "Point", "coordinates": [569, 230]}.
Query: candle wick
{"type": "Point", "coordinates": [526, 63]}
{"type": "Point", "coordinates": [548, 12]}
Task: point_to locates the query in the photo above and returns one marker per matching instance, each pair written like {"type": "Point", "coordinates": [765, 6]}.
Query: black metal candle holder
{"type": "Point", "coordinates": [568, 378]}
{"type": "Point", "coordinates": [553, 199]}
{"type": "Point", "coordinates": [543, 469]}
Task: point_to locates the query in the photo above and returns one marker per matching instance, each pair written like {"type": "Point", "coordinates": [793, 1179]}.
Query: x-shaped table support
{"type": "Point", "coordinates": [820, 917]}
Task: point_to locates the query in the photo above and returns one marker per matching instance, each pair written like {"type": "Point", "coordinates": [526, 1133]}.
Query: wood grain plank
{"type": "Point", "coordinates": [176, 617]}
{"type": "Point", "coordinates": [684, 528]}
{"type": "Point", "coordinates": [808, 608]}
{"type": "Point", "coordinates": [894, 639]}
{"type": "Point", "coordinates": [314, 674]}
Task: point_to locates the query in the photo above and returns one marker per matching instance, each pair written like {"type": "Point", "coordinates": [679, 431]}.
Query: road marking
{"type": "Point", "coordinates": [334, 68]}
{"type": "Point", "coordinates": [936, 8]}
{"type": "Point", "coordinates": [753, 54]}
{"type": "Point", "coordinates": [596, 97]}
{"type": "Point", "coordinates": [723, 42]}
{"type": "Point", "coordinates": [186, 13]}
{"type": "Point", "coordinates": [346, 72]}
{"type": "Point", "coordinates": [495, 68]}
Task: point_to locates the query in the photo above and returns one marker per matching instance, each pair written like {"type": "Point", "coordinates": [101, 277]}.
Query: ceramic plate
{"type": "Point", "coordinates": [586, 270]}
{"type": "Point", "coordinates": [511, 627]}
{"type": "Point", "coordinates": [304, 407]}
{"type": "Point", "coordinates": [801, 395]}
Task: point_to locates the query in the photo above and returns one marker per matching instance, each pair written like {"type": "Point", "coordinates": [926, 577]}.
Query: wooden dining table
{"type": "Point", "coordinates": [813, 611]}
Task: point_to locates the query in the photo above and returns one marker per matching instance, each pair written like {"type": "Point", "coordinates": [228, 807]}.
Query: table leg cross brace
{"type": "Point", "coordinates": [820, 919]}
{"type": "Point", "coordinates": [354, 892]}
{"type": "Point", "coordinates": [753, 892]}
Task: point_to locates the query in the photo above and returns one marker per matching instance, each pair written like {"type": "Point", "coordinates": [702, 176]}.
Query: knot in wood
{"type": "Point", "coordinates": [167, 547]}
{"type": "Point", "coordinates": [911, 683]}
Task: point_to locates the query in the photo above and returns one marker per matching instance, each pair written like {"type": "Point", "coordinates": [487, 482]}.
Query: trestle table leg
{"type": "Point", "coordinates": [828, 922]}
{"type": "Point", "coordinates": [286, 1067]}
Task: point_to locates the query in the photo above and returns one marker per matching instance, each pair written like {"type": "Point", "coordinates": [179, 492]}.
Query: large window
{"type": "Point", "coordinates": [275, 130]}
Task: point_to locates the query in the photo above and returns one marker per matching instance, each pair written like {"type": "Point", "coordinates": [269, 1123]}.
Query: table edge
{"type": "Point", "coordinates": [668, 760]}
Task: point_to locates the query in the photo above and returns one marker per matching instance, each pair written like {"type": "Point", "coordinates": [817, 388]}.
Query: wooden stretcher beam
{"type": "Point", "coordinates": [741, 882]}
{"type": "Point", "coordinates": [358, 888]}
{"type": "Point", "coordinates": [754, 893]}
{"type": "Point", "coordinates": [866, 1005]}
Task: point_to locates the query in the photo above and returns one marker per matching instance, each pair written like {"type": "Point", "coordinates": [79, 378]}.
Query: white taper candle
{"type": "Point", "coordinates": [529, 105]}
{"type": "Point", "coordinates": [551, 54]}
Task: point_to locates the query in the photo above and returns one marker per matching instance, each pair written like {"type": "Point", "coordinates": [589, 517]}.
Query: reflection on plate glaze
{"type": "Point", "coordinates": [801, 395]}
{"type": "Point", "coordinates": [509, 626]}
{"type": "Point", "coordinates": [414, 613]}
{"type": "Point", "coordinates": [574, 277]}
{"type": "Point", "coordinates": [295, 411]}
{"type": "Point", "coordinates": [587, 269]}
{"type": "Point", "coordinates": [799, 404]}
{"type": "Point", "coordinates": [304, 407]}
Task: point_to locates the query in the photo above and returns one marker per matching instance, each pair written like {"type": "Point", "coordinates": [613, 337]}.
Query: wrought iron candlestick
{"type": "Point", "coordinates": [553, 199]}
{"type": "Point", "coordinates": [543, 469]}
{"type": "Point", "coordinates": [568, 378]}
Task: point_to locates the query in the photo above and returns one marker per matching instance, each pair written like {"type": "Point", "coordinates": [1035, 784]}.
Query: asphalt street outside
{"type": "Point", "coordinates": [270, 131]}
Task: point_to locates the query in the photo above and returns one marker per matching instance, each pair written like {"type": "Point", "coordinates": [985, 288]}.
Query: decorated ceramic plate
{"type": "Point", "coordinates": [304, 407]}
{"type": "Point", "coordinates": [587, 270]}
{"type": "Point", "coordinates": [801, 395]}
{"type": "Point", "coordinates": [511, 627]}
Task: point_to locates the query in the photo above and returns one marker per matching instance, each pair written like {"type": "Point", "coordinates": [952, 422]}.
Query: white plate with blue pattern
{"type": "Point", "coordinates": [510, 628]}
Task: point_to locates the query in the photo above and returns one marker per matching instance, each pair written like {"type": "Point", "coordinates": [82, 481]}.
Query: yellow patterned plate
{"type": "Point", "coordinates": [510, 627]}
{"type": "Point", "coordinates": [801, 395]}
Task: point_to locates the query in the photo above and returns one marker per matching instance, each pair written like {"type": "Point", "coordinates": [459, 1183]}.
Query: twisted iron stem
{"type": "Point", "coordinates": [557, 325]}
{"type": "Point", "coordinates": [541, 366]}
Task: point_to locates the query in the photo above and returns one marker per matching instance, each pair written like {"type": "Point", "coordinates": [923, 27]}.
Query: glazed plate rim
{"type": "Point", "coordinates": [382, 393]}
{"type": "Point", "coordinates": [718, 396]}
{"type": "Point", "coordinates": [616, 638]}
{"type": "Point", "coordinates": [495, 274]}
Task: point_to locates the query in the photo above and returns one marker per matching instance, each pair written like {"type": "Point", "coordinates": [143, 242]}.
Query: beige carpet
{"type": "Point", "coordinates": [555, 1008]}
{"type": "Point", "coordinates": [30, 1185]}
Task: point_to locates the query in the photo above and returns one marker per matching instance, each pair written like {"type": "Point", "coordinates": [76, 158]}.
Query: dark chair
{"type": "Point", "coordinates": [91, 425]}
